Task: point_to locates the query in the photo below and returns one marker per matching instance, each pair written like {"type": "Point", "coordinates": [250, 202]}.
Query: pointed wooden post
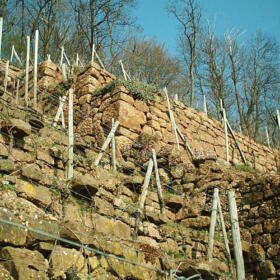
{"type": "Point", "coordinates": [35, 69]}
{"type": "Point", "coordinates": [123, 71]}
{"type": "Point", "coordinates": [278, 118]}
{"type": "Point", "coordinates": [114, 150]}
{"type": "Point", "coordinates": [236, 240]}
{"type": "Point", "coordinates": [212, 224]}
{"type": "Point", "coordinates": [236, 142]}
{"type": "Point", "coordinates": [224, 234]}
{"type": "Point", "coordinates": [64, 73]}
{"type": "Point", "coordinates": [142, 198]}
{"type": "Point", "coordinates": [205, 105]}
{"type": "Point", "coordinates": [1, 29]}
{"type": "Point", "coordinates": [12, 53]}
{"type": "Point", "coordinates": [185, 141]}
{"type": "Point", "coordinates": [49, 58]}
{"type": "Point", "coordinates": [223, 111]}
{"type": "Point", "coordinates": [77, 60]}
{"type": "Point", "coordinates": [159, 191]}
{"type": "Point", "coordinates": [66, 58]}
{"type": "Point", "coordinates": [27, 70]}
{"type": "Point", "coordinates": [61, 56]}
{"type": "Point", "coordinates": [59, 111]}
{"type": "Point", "coordinates": [107, 142]}
{"type": "Point", "coordinates": [267, 137]}
{"type": "Point", "coordinates": [70, 135]}
{"type": "Point", "coordinates": [172, 118]}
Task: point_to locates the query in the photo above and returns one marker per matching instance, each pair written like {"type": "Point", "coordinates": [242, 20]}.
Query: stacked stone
{"type": "Point", "coordinates": [260, 214]}
{"type": "Point", "coordinates": [32, 180]}
{"type": "Point", "coordinates": [13, 74]}
{"type": "Point", "coordinates": [152, 118]}
{"type": "Point", "coordinates": [91, 78]}
{"type": "Point", "coordinates": [48, 77]}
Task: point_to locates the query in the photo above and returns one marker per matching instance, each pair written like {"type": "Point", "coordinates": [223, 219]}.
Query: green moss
{"type": "Point", "coordinates": [136, 89]}
{"type": "Point", "coordinates": [245, 168]}
{"type": "Point", "coordinates": [7, 187]}
{"type": "Point", "coordinates": [54, 189]}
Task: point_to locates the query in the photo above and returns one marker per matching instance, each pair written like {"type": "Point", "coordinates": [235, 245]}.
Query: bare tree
{"type": "Point", "coordinates": [188, 15]}
{"type": "Point", "coordinates": [149, 62]}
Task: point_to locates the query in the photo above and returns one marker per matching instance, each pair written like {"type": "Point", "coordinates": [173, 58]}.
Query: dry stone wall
{"type": "Point", "coordinates": [98, 206]}
{"type": "Point", "coordinates": [136, 117]}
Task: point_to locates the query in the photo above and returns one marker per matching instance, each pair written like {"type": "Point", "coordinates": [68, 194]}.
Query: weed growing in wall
{"type": "Point", "coordinates": [136, 89]}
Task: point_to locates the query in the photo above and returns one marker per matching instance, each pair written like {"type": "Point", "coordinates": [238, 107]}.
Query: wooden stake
{"type": "Point", "coordinates": [160, 197]}
{"type": "Point", "coordinates": [92, 53]}
{"type": "Point", "coordinates": [66, 58]}
{"type": "Point", "coordinates": [17, 93]}
{"type": "Point", "coordinates": [224, 234]}
{"type": "Point", "coordinates": [205, 104]}
{"type": "Point", "coordinates": [114, 150]}
{"type": "Point", "coordinates": [226, 134]}
{"type": "Point", "coordinates": [77, 60]}
{"type": "Point", "coordinates": [6, 76]}
{"type": "Point", "coordinates": [64, 73]}
{"type": "Point", "coordinates": [27, 69]}
{"type": "Point", "coordinates": [146, 184]}
{"type": "Point", "coordinates": [123, 71]}
{"type": "Point", "coordinates": [213, 224]}
{"type": "Point", "coordinates": [236, 236]}
{"type": "Point", "coordinates": [61, 56]}
{"type": "Point", "coordinates": [236, 143]}
{"type": "Point", "coordinates": [143, 198]}
{"type": "Point", "coordinates": [267, 137]}
{"type": "Point", "coordinates": [49, 57]}
{"type": "Point", "coordinates": [185, 141]}
{"type": "Point", "coordinates": [70, 135]}
{"type": "Point", "coordinates": [12, 53]}
{"type": "Point", "coordinates": [35, 69]}
{"type": "Point", "coordinates": [16, 55]}
{"type": "Point", "coordinates": [59, 110]}
{"type": "Point", "coordinates": [176, 97]}
{"type": "Point", "coordinates": [107, 142]}
{"type": "Point", "coordinates": [278, 118]}
{"type": "Point", "coordinates": [1, 29]}
{"type": "Point", "coordinates": [172, 118]}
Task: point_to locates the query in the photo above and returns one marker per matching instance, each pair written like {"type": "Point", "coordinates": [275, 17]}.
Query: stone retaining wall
{"type": "Point", "coordinates": [136, 117]}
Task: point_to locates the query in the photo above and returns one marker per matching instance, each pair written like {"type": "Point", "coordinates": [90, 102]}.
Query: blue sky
{"type": "Point", "coordinates": [246, 15]}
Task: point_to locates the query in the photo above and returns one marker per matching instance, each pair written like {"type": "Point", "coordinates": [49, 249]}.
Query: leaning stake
{"type": "Point", "coordinates": [35, 69]}
{"type": "Point", "coordinates": [236, 240]}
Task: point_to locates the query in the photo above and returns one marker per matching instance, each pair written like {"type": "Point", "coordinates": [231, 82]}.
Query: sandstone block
{"type": "Point", "coordinates": [111, 227]}
{"type": "Point", "coordinates": [65, 260]}
{"type": "Point", "coordinates": [7, 165]}
{"type": "Point", "coordinates": [200, 222]}
{"type": "Point", "coordinates": [266, 269]}
{"type": "Point", "coordinates": [141, 106]}
{"type": "Point", "coordinates": [128, 116]}
{"type": "Point", "coordinates": [86, 184]}
{"type": "Point", "coordinates": [32, 171]}
{"type": "Point", "coordinates": [257, 253]}
{"type": "Point", "coordinates": [11, 234]}
{"type": "Point", "coordinates": [33, 267]}
{"type": "Point", "coordinates": [38, 194]}
{"type": "Point", "coordinates": [45, 156]}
